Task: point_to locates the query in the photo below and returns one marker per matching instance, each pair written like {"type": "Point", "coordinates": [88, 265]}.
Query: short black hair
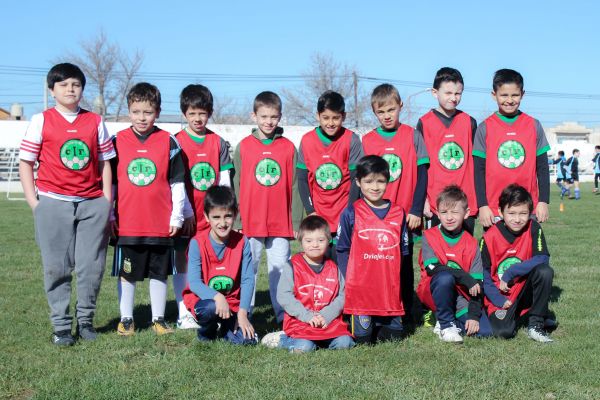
{"type": "Point", "coordinates": [267, 99]}
{"type": "Point", "coordinates": [144, 91]}
{"type": "Point", "coordinates": [561, 153]}
{"type": "Point", "coordinates": [575, 151]}
{"type": "Point", "coordinates": [447, 74]}
{"type": "Point", "coordinates": [313, 223]}
{"type": "Point", "coordinates": [514, 195]}
{"type": "Point", "coordinates": [597, 147]}
{"type": "Point", "coordinates": [372, 164]}
{"type": "Point", "coordinates": [506, 76]}
{"type": "Point", "coordinates": [64, 71]}
{"type": "Point", "coordinates": [451, 195]}
{"type": "Point", "coordinates": [196, 96]}
{"type": "Point", "coordinates": [332, 101]}
{"type": "Point", "coordinates": [220, 197]}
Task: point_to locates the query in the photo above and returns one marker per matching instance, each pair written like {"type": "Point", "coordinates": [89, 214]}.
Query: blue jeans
{"type": "Point", "coordinates": [306, 346]}
{"type": "Point", "coordinates": [369, 329]}
{"type": "Point", "coordinates": [278, 254]}
{"type": "Point", "coordinates": [206, 315]}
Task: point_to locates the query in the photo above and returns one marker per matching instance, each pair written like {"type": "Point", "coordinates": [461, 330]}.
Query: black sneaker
{"type": "Point", "coordinates": [63, 338]}
{"type": "Point", "coordinates": [86, 331]}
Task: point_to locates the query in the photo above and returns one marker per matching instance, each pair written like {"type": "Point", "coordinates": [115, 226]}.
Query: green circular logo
{"type": "Point", "coordinates": [511, 154]}
{"type": "Point", "coordinates": [395, 164]}
{"type": "Point", "coordinates": [451, 156]}
{"type": "Point", "coordinates": [203, 176]}
{"type": "Point", "coordinates": [453, 264]}
{"type": "Point", "coordinates": [75, 154]}
{"type": "Point", "coordinates": [141, 171]}
{"type": "Point", "coordinates": [221, 283]}
{"type": "Point", "coordinates": [328, 176]}
{"type": "Point", "coordinates": [267, 172]}
{"type": "Point", "coordinates": [505, 264]}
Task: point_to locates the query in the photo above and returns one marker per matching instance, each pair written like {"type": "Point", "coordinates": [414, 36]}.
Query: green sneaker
{"type": "Point", "coordinates": [429, 319]}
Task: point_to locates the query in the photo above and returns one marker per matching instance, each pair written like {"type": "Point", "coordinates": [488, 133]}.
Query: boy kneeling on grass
{"type": "Point", "coordinates": [311, 292]}
{"type": "Point", "coordinates": [220, 274]}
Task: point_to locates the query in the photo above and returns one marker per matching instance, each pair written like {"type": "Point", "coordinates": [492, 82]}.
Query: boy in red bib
{"type": "Point", "coordinates": [149, 207]}
{"type": "Point", "coordinates": [404, 150]}
{"type": "Point", "coordinates": [516, 275]}
{"type": "Point", "coordinates": [448, 135]}
{"type": "Point", "coordinates": [510, 147]}
{"type": "Point", "coordinates": [451, 271]}
{"type": "Point", "coordinates": [73, 198]}
{"type": "Point", "coordinates": [221, 279]}
{"type": "Point", "coordinates": [373, 238]}
{"type": "Point", "coordinates": [327, 162]}
{"type": "Point", "coordinates": [207, 163]}
{"type": "Point", "coordinates": [265, 181]}
{"type": "Point", "coordinates": [311, 291]}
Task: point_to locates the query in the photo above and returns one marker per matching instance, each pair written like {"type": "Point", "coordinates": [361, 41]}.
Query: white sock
{"type": "Point", "coordinates": [179, 283]}
{"type": "Point", "coordinates": [158, 298]}
{"type": "Point", "coordinates": [126, 292]}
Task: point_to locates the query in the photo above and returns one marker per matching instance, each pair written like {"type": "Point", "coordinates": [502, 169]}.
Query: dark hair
{"type": "Point", "coordinates": [62, 72]}
{"type": "Point", "coordinates": [561, 153]}
{"type": "Point", "coordinates": [313, 223]}
{"type": "Point", "coordinates": [196, 96]}
{"type": "Point", "coordinates": [144, 91]}
{"type": "Point", "coordinates": [384, 93]}
{"type": "Point", "coordinates": [506, 76]}
{"type": "Point", "coordinates": [451, 195]}
{"type": "Point", "coordinates": [447, 74]}
{"type": "Point", "coordinates": [220, 197]}
{"type": "Point", "coordinates": [267, 99]}
{"type": "Point", "coordinates": [597, 147]}
{"type": "Point", "coordinates": [372, 165]}
{"type": "Point", "coordinates": [575, 151]}
{"type": "Point", "coordinates": [332, 101]}
{"type": "Point", "coordinates": [514, 195]}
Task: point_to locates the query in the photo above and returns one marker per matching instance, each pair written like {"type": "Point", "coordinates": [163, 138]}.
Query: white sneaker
{"type": "Point", "coordinates": [187, 322]}
{"type": "Point", "coordinates": [451, 334]}
{"type": "Point", "coordinates": [538, 334]}
{"type": "Point", "coordinates": [272, 340]}
{"type": "Point", "coordinates": [437, 328]}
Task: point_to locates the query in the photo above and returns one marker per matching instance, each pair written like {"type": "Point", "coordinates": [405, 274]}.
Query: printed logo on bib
{"type": "Point", "coordinates": [451, 156]}
{"type": "Point", "coordinates": [395, 164]}
{"type": "Point", "coordinates": [75, 154]}
{"type": "Point", "coordinates": [141, 171]}
{"type": "Point", "coordinates": [221, 283]}
{"type": "Point", "coordinates": [453, 265]}
{"type": "Point", "coordinates": [385, 240]}
{"type": "Point", "coordinates": [203, 176]}
{"type": "Point", "coordinates": [329, 176]}
{"type": "Point", "coordinates": [505, 264]}
{"type": "Point", "coordinates": [267, 172]}
{"type": "Point", "coordinates": [317, 292]}
{"type": "Point", "coordinates": [511, 154]}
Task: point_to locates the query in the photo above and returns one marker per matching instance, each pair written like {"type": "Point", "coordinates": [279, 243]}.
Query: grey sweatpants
{"type": "Point", "coordinates": [71, 236]}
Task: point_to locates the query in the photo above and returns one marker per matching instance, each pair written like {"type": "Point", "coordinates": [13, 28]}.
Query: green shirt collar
{"type": "Point", "coordinates": [508, 120]}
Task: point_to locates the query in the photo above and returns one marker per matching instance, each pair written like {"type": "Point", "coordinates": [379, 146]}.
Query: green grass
{"type": "Point", "coordinates": [420, 367]}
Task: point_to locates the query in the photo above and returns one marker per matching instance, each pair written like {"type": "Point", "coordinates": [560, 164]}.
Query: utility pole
{"type": "Point", "coordinates": [356, 114]}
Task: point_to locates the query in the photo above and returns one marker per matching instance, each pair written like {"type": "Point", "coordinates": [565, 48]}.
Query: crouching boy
{"type": "Point", "coordinates": [220, 275]}
{"type": "Point", "coordinates": [311, 292]}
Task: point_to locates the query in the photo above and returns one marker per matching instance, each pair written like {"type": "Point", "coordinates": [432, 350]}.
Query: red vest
{"type": "Point", "coordinates": [401, 155]}
{"type": "Point", "coordinates": [68, 159]}
{"type": "Point", "coordinates": [202, 164]}
{"type": "Point", "coordinates": [373, 273]}
{"type": "Point", "coordinates": [314, 291]}
{"type": "Point", "coordinates": [451, 160]}
{"type": "Point", "coordinates": [511, 157]}
{"type": "Point", "coordinates": [461, 255]}
{"type": "Point", "coordinates": [503, 255]}
{"type": "Point", "coordinates": [267, 174]}
{"type": "Point", "coordinates": [222, 275]}
{"type": "Point", "coordinates": [144, 202]}
{"type": "Point", "coordinates": [328, 174]}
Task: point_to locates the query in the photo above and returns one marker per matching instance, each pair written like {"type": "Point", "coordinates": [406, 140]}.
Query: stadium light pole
{"type": "Point", "coordinates": [407, 104]}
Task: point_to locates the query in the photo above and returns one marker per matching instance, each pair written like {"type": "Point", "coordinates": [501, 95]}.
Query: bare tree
{"type": "Point", "coordinates": [228, 111]}
{"type": "Point", "coordinates": [109, 71]}
{"type": "Point", "coordinates": [326, 73]}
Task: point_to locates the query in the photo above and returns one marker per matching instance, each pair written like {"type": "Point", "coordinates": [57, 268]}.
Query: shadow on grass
{"type": "Point", "coordinates": [142, 316]}
{"type": "Point", "coordinates": [263, 317]}
{"type": "Point", "coordinates": [555, 293]}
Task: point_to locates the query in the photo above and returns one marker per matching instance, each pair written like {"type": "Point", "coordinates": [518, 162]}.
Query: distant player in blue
{"type": "Point", "coordinates": [561, 173]}
{"type": "Point", "coordinates": [572, 167]}
{"type": "Point", "coordinates": [596, 161]}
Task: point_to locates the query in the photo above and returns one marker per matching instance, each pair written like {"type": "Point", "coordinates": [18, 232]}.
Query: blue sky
{"type": "Point", "coordinates": [554, 46]}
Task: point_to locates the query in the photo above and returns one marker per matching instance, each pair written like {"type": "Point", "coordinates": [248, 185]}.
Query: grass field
{"type": "Point", "coordinates": [420, 367]}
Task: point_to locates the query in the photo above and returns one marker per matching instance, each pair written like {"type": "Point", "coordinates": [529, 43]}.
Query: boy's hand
{"type": "Point", "coordinates": [475, 290]}
{"type": "Point", "coordinates": [486, 216]}
{"type": "Point", "coordinates": [244, 324]}
{"type": "Point", "coordinates": [541, 212]}
{"type": "Point", "coordinates": [315, 322]}
{"type": "Point", "coordinates": [322, 321]}
{"type": "Point", "coordinates": [173, 230]}
{"type": "Point", "coordinates": [427, 209]}
{"type": "Point", "coordinates": [222, 307]}
{"type": "Point", "coordinates": [507, 304]}
{"type": "Point", "coordinates": [413, 221]}
{"type": "Point", "coordinates": [188, 226]}
{"type": "Point", "coordinates": [472, 327]}
{"type": "Point", "coordinates": [503, 286]}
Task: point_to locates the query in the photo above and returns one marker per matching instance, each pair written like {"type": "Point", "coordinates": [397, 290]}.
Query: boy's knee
{"type": "Point", "coordinates": [342, 342]}
{"type": "Point", "coordinates": [544, 272]}
{"type": "Point", "coordinates": [303, 346]}
{"type": "Point", "coordinates": [205, 311]}
{"type": "Point", "coordinates": [387, 334]}
{"type": "Point", "coordinates": [442, 279]}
